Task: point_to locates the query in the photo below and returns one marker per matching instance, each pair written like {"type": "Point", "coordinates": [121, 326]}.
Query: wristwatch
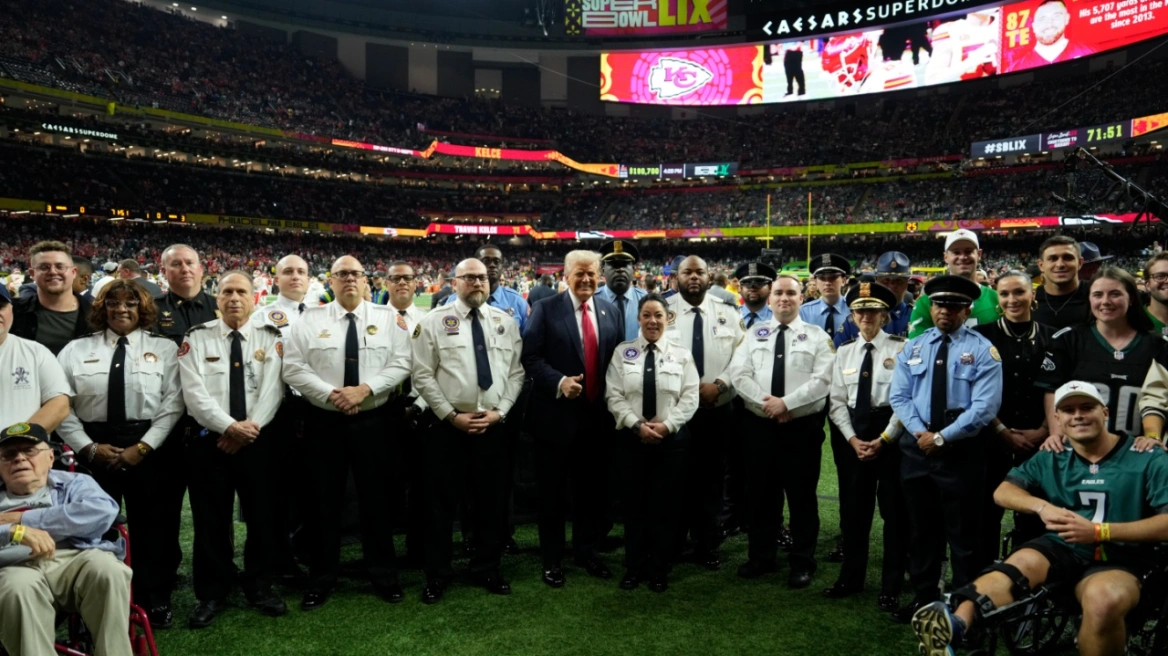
{"type": "Point", "coordinates": [722, 388]}
{"type": "Point", "coordinates": [502, 417]}
{"type": "Point", "coordinates": [938, 439]}
{"type": "Point", "coordinates": [452, 415]}
{"type": "Point", "coordinates": [143, 449]}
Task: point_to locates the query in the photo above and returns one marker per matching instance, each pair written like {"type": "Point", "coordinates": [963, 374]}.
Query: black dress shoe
{"type": "Point", "coordinates": [313, 600]}
{"type": "Point", "coordinates": [836, 555]}
{"type": "Point", "coordinates": [267, 602]}
{"type": "Point", "coordinates": [904, 614]}
{"type": "Point", "coordinates": [630, 581]}
{"type": "Point", "coordinates": [510, 547]}
{"type": "Point", "coordinates": [554, 577]}
{"type": "Point", "coordinates": [161, 617]}
{"type": "Point", "coordinates": [595, 567]}
{"type": "Point", "coordinates": [840, 590]}
{"type": "Point", "coordinates": [799, 580]}
{"type": "Point", "coordinates": [659, 583]}
{"type": "Point", "coordinates": [729, 529]}
{"type": "Point", "coordinates": [204, 614]}
{"type": "Point", "coordinates": [495, 584]}
{"type": "Point", "coordinates": [708, 560]}
{"type": "Point", "coordinates": [752, 569]}
{"type": "Point", "coordinates": [887, 602]}
{"type": "Point", "coordinates": [433, 592]}
{"type": "Point", "coordinates": [391, 593]}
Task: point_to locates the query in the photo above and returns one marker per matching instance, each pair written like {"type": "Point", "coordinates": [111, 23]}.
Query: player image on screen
{"type": "Point", "coordinates": [1051, 44]}
{"type": "Point", "coordinates": [966, 48]}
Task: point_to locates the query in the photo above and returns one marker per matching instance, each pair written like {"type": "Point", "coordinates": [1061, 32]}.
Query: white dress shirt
{"type": "Point", "coordinates": [31, 378]}
{"type": "Point", "coordinates": [411, 318]}
{"type": "Point", "coordinates": [152, 384]}
{"type": "Point", "coordinates": [205, 371]}
{"type": "Point", "coordinates": [314, 353]}
{"type": "Point", "coordinates": [807, 374]}
{"type": "Point", "coordinates": [579, 314]}
{"type": "Point", "coordinates": [676, 379]}
{"type": "Point", "coordinates": [282, 314]}
{"type": "Point", "coordinates": [445, 372]}
{"type": "Point", "coordinates": [845, 380]}
{"type": "Point", "coordinates": [721, 334]}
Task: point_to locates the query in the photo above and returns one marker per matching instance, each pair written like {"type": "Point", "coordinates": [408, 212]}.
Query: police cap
{"type": "Point", "coordinates": [619, 249]}
{"type": "Point", "coordinates": [754, 271]}
{"type": "Point", "coordinates": [893, 264]}
{"type": "Point", "coordinates": [871, 295]}
{"type": "Point", "coordinates": [830, 263]}
{"type": "Point", "coordinates": [952, 290]}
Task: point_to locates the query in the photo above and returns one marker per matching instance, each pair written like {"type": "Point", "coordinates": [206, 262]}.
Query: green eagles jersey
{"type": "Point", "coordinates": [1157, 325]}
{"type": "Point", "coordinates": [984, 310]}
{"type": "Point", "coordinates": [1125, 486]}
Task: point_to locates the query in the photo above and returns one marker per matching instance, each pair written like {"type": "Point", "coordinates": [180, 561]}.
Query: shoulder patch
{"type": "Point", "coordinates": [417, 330]}
{"type": "Point", "coordinates": [994, 354]}
{"type": "Point", "coordinates": [184, 349]}
{"type": "Point", "coordinates": [278, 318]}
{"type": "Point", "coordinates": [1064, 330]}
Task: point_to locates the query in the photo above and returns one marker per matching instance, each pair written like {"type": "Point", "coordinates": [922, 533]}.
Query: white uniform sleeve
{"type": "Point", "coordinates": [172, 406]}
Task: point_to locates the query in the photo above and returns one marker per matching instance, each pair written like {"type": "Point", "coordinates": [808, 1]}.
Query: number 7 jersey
{"type": "Point", "coordinates": [1125, 486]}
{"type": "Point", "coordinates": [1081, 353]}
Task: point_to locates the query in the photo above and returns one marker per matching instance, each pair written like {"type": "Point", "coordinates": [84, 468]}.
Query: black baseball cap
{"type": "Point", "coordinates": [24, 433]}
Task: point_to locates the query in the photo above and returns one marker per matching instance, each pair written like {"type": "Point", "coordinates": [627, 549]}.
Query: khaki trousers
{"type": "Point", "coordinates": [89, 581]}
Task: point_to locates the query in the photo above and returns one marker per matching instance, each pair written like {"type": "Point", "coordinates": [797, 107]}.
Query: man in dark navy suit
{"type": "Point", "coordinates": [569, 341]}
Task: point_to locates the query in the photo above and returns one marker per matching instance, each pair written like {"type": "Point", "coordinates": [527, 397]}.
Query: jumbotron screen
{"type": "Point", "coordinates": [1006, 39]}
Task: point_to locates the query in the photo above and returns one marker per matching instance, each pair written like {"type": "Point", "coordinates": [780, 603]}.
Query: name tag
{"type": "Point", "coordinates": [915, 361]}
{"type": "Point", "coordinates": [849, 372]}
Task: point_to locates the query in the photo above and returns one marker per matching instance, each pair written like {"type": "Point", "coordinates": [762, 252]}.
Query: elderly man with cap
{"type": "Point", "coordinates": [1093, 259]}
{"type": "Point", "coordinates": [861, 382]}
{"type": "Point", "coordinates": [947, 387]}
{"type": "Point", "coordinates": [892, 271]}
{"type": "Point", "coordinates": [57, 558]}
{"type": "Point", "coordinates": [962, 258]}
{"type": "Point", "coordinates": [618, 259]}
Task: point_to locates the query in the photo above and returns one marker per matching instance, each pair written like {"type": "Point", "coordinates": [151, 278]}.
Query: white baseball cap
{"type": "Point", "coordinates": [1077, 388]}
{"type": "Point", "coordinates": [961, 235]}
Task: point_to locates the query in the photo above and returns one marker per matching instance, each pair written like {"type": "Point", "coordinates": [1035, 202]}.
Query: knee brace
{"type": "Point", "coordinates": [982, 604]}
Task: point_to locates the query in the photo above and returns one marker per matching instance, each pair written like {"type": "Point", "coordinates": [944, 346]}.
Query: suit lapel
{"type": "Point", "coordinates": [569, 320]}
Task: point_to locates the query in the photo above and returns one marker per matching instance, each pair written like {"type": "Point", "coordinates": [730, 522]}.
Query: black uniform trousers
{"type": "Point", "coordinates": [215, 477]}
{"type": "Point", "coordinates": [652, 479]}
{"type": "Point", "coordinates": [153, 492]}
{"type": "Point", "coordinates": [358, 443]}
{"type": "Point", "coordinates": [286, 474]}
{"type": "Point", "coordinates": [944, 500]}
{"type": "Point", "coordinates": [784, 457]}
{"type": "Point", "coordinates": [585, 462]}
{"type": "Point", "coordinates": [845, 460]}
{"type": "Point", "coordinates": [704, 478]}
{"type": "Point", "coordinates": [455, 463]}
{"type": "Point", "coordinates": [410, 504]}
{"type": "Point", "coordinates": [873, 482]}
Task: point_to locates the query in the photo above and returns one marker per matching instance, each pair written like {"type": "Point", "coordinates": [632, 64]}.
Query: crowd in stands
{"type": "Point", "coordinates": [141, 56]}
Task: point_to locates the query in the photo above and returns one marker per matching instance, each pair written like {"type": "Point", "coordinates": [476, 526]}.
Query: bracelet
{"type": "Point", "coordinates": [91, 451]}
{"type": "Point", "coordinates": [1040, 509]}
{"type": "Point", "coordinates": [18, 533]}
{"type": "Point", "coordinates": [1098, 533]}
{"type": "Point", "coordinates": [1105, 532]}
{"type": "Point", "coordinates": [1002, 428]}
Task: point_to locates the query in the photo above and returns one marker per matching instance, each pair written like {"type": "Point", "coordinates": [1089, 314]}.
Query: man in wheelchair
{"type": "Point", "coordinates": [1104, 506]}
{"type": "Point", "coordinates": [55, 558]}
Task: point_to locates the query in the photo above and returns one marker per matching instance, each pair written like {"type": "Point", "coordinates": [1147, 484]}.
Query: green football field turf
{"type": "Point", "coordinates": [703, 613]}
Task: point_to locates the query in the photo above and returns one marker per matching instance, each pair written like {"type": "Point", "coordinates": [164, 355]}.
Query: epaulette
{"type": "Point", "coordinates": [848, 342]}
{"type": "Point", "coordinates": [269, 327]}
{"type": "Point", "coordinates": [158, 335]}
{"type": "Point", "coordinates": [898, 338]}
{"type": "Point", "coordinates": [95, 333]}
{"type": "Point", "coordinates": [195, 327]}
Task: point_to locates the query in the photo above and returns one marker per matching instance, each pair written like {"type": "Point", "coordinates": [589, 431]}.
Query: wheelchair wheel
{"type": "Point", "coordinates": [1041, 628]}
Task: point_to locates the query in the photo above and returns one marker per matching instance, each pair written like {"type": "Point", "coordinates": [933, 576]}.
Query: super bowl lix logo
{"type": "Point", "coordinates": [672, 78]}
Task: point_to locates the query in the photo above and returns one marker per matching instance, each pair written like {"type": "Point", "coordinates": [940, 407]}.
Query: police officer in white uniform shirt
{"type": "Point", "coordinates": [860, 409]}
{"type": "Point", "coordinates": [348, 358]}
{"type": "Point", "coordinates": [782, 371]}
{"type": "Point", "coordinates": [231, 379]}
{"type": "Point", "coordinates": [287, 459]}
{"type": "Point", "coordinates": [33, 389]}
{"type": "Point", "coordinates": [467, 367]}
{"type": "Point", "coordinates": [652, 391]}
{"type": "Point", "coordinates": [710, 329]}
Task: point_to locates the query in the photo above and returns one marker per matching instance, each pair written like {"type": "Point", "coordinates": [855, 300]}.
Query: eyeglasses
{"type": "Point", "coordinates": [398, 279]}
{"type": "Point", "coordinates": [59, 266]}
{"type": "Point", "coordinates": [1158, 277]}
{"type": "Point", "coordinates": [473, 279]}
{"type": "Point", "coordinates": [116, 305]}
{"type": "Point", "coordinates": [28, 452]}
{"type": "Point", "coordinates": [343, 275]}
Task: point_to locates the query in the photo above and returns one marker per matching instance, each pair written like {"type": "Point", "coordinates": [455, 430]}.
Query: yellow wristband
{"type": "Point", "coordinates": [17, 533]}
{"type": "Point", "coordinates": [1153, 436]}
{"type": "Point", "coordinates": [1105, 533]}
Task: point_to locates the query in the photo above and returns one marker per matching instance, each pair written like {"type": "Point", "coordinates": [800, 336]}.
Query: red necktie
{"type": "Point", "coordinates": [591, 376]}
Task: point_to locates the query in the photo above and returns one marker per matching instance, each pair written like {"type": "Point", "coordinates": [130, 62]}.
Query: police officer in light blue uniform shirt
{"type": "Point", "coordinates": [754, 285]}
{"type": "Point", "coordinates": [830, 310]}
{"type": "Point", "coordinates": [502, 297]}
{"type": "Point", "coordinates": [892, 271]}
{"type": "Point", "coordinates": [618, 257]}
{"type": "Point", "coordinates": [946, 388]}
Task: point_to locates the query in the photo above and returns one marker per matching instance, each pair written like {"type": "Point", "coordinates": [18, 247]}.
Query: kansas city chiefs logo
{"type": "Point", "coordinates": [673, 78]}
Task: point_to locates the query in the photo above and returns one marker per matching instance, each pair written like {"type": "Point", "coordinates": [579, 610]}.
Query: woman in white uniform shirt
{"type": "Point", "coordinates": [652, 393]}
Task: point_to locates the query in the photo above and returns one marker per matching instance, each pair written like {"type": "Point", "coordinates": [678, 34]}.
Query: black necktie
{"type": "Point", "coordinates": [698, 350]}
{"type": "Point", "coordinates": [864, 393]}
{"type": "Point", "coordinates": [622, 303]}
{"type": "Point", "coordinates": [482, 364]}
{"type": "Point", "coordinates": [940, 398]}
{"type": "Point", "coordinates": [829, 325]}
{"type": "Point", "coordinates": [300, 309]}
{"type": "Point", "coordinates": [779, 372]}
{"type": "Point", "coordinates": [238, 395]}
{"type": "Point", "coordinates": [115, 409]}
{"type": "Point", "coordinates": [751, 318]}
{"type": "Point", "coordinates": [649, 386]}
{"type": "Point", "coordinates": [352, 363]}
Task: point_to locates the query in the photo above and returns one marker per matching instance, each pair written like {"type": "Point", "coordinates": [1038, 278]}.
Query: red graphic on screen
{"type": "Point", "coordinates": [1042, 32]}
{"type": "Point", "coordinates": [709, 76]}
